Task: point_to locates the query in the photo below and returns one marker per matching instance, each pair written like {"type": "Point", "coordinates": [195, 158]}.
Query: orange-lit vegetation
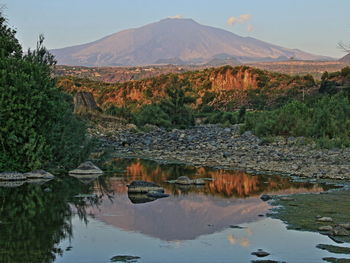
{"type": "Point", "coordinates": [224, 88]}
{"type": "Point", "coordinates": [224, 183]}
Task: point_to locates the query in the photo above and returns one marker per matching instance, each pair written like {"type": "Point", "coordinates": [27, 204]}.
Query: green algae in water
{"type": "Point", "coordinates": [124, 258]}
{"type": "Point", "coordinates": [337, 260]}
{"type": "Point", "coordinates": [334, 249]}
{"type": "Point", "coordinates": [302, 213]}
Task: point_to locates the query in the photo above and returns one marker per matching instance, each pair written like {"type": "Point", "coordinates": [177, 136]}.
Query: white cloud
{"type": "Point", "coordinates": [240, 19]}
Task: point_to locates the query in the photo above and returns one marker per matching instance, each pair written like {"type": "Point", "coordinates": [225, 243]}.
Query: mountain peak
{"type": "Point", "coordinates": [179, 20]}
{"type": "Point", "coordinates": [172, 39]}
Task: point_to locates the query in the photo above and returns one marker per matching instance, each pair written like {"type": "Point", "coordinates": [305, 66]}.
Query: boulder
{"type": "Point", "coordinates": [39, 174]}
{"type": "Point", "coordinates": [346, 226]}
{"type": "Point", "coordinates": [325, 228]}
{"type": "Point", "coordinates": [340, 231]}
{"type": "Point", "coordinates": [198, 181]}
{"type": "Point", "coordinates": [325, 219]}
{"type": "Point", "coordinates": [87, 168]}
{"type": "Point", "coordinates": [184, 180]}
{"type": "Point", "coordinates": [38, 181]}
{"type": "Point", "coordinates": [144, 187]}
{"type": "Point", "coordinates": [12, 176]}
{"type": "Point", "coordinates": [138, 198]}
{"type": "Point", "coordinates": [84, 102]}
{"type": "Point", "coordinates": [260, 253]}
{"type": "Point", "coordinates": [155, 194]}
{"type": "Point", "coordinates": [265, 197]}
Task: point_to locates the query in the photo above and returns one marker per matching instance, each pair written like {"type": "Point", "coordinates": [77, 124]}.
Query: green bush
{"type": "Point", "coordinates": [171, 111]}
{"type": "Point", "coordinates": [326, 120]}
{"type": "Point", "coordinates": [37, 127]}
{"type": "Point", "coordinates": [121, 112]}
{"type": "Point", "coordinates": [152, 114]}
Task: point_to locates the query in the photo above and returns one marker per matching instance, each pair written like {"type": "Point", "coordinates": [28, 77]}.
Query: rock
{"type": "Point", "coordinates": [39, 174]}
{"type": "Point", "coordinates": [225, 154]}
{"type": "Point", "coordinates": [183, 180]}
{"type": "Point", "coordinates": [87, 168]}
{"type": "Point", "coordinates": [236, 227]}
{"type": "Point", "coordinates": [155, 194]}
{"type": "Point", "coordinates": [12, 176]}
{"type": "Point", "coordinates": [295, 167]}
{"type": "Point", "coordinates": [325, 219]}
{"type": "Point", "coordinates": [84, 102]}
{"type": "Point", "coordinates": [247, 134]}
{"type": "Point", "coordinates": [340, 231]}
{"type": "Point", "coordinates": [144, 187]}
{"type": "Point", "coordinates": [198, 181]}
{"type": "Point", "coordinates": [11, 184]}
{"type": "Point", "coordinates": [260, 253]}
{"type": "Point", "coordinates": [148, 141]}
{"type": "Point", "coordinates": [346, 226]}
{"type": "Point", "coordinates": [325, 228]}
{"type": "Point", "coordinates": [38, 181]}
{"type": "Point", "coordinates": [265, 197]}
{"type": "Point", "coordinates": [139, 198]}
{"type": "Point", "coordinates": [86, 196]}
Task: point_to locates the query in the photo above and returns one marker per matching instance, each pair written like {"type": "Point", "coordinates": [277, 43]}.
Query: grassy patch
{"type": "Point", "coordinates": [127, 259]}
{"type": "Point", "coordinates": [337, 260]}
{"type": "Point", "coordinates": [334, 249]}
{"type": "Point", "coordinates": [302, 213]}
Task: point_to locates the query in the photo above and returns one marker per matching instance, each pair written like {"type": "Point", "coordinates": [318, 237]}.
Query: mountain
{"type": "Point", "coordinates": [181, 40]}
{"type": "Point", "coordinates": [345, 59]}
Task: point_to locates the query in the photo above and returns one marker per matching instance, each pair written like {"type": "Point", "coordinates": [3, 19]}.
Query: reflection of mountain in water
{"type": "Point", "coordinates": [179, 217]}
{"type": "Point", "coordinates": [190, 211]}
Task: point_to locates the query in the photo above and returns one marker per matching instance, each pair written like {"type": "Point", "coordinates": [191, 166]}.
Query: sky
{"type": "Point", "coordinates": [315, 26]}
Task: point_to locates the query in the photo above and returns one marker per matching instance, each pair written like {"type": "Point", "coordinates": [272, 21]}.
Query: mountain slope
{"type": "Point", "coordinates": [173, 40]}
{"type": "Point", "coordinates": [345, 59]}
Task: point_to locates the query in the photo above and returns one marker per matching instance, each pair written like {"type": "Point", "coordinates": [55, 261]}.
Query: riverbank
{"type": "Point", "coordinates": [225, 147]}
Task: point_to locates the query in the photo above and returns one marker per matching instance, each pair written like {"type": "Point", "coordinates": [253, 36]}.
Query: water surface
{"type": "Point", "coordinates": [50, 223]}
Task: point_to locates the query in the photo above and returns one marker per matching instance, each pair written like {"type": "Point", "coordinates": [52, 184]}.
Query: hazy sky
{"type": "Point", "coordinates": [315, 26]}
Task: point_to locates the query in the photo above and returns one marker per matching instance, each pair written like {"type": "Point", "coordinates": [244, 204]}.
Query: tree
{"type": "Point", "coordinates": [37, 127]}
{"type": "Point", "coordinates": [175, 105]}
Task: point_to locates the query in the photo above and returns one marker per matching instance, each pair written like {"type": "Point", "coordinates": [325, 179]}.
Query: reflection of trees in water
{"type": "Point", "coordinates": [225, 183]}
{"type": "Point", "coordinates": [34, 221]}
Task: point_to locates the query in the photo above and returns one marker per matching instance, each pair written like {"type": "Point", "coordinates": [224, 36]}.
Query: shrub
{"type": "Point", "coordinates": [326, 119]}
{"type": "Point", "coordinates": [121, 112]}
{"type": "Point", "coordinates": [152, 114]}
{"type": "Point", "coordinates": [37, 126]}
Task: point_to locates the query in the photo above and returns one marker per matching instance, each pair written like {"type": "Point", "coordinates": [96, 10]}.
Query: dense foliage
{"type": "Point", "coordinates": [37, 126]}
{"type": "Point", "coordinates": [326, 120]}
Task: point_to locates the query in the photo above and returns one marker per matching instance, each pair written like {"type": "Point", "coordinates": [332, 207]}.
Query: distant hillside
{"type": "Point", "coordinates": [345, 59]}
{"type": "Point", "coordinates": [173, 40]}
{"type": "Point", "coordinates": [224, 88]}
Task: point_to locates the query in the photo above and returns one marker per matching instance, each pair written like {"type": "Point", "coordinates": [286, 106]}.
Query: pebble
{"type": "Point", "coordinates": [325, 228]}
{"type": "Point", "coordinates": [325, 219]}
{"type": "Point", "coordinates": [212, 145]}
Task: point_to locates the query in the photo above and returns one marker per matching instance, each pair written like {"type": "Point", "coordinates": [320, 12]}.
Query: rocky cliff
{"type": "Point", "coordinates": [224, 88]}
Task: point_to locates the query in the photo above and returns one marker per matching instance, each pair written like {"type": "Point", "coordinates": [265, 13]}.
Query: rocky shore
{"type": "Point", "coordinates": [226, 147]}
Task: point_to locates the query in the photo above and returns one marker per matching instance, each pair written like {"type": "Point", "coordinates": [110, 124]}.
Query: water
{"type": "Point", "coordinates": [49, 223]}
